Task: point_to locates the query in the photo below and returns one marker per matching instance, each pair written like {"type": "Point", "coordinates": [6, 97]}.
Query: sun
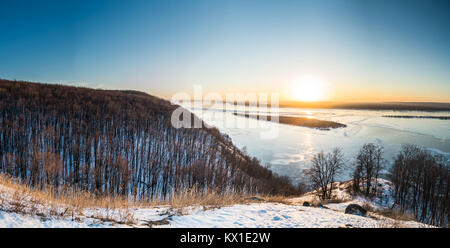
{"type": "Point", "coordinates": [308, 89]}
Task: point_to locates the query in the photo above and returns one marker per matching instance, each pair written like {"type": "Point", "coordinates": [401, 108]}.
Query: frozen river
{"type": "Point", "coordinates": [291, 150]}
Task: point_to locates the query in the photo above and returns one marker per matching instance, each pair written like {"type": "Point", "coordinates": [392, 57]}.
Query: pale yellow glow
{"type": "Point", "coordinates": [308, 89]}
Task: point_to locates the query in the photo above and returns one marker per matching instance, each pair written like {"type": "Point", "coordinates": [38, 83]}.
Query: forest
{"type": "Point", "coordinates": [118, 143]}
{"type": "Point", "coordinates": [420, 180]}
{"type": "Point", "coordinates": [421, 183]}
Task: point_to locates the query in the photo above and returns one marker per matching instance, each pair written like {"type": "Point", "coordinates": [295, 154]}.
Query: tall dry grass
{"type": "Point", "coordinates": [390, 213]}
{"type": "Point", "coordinates": [62, 196]}
{"type": "Point", "coordinates": [66, 202]}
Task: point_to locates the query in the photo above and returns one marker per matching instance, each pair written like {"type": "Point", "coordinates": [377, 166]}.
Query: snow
{"type": "Point", "coordinates": [270, 215]}
{"type": "Point", "coordinates": [257, 215]}
{"type": "Point", "coordinates": [10, 220]}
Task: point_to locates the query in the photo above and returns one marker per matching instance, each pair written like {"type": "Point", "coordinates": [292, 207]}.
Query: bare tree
{"type": "Point", "coordinates": [369, 163]}
{"type": "Point", "coordinates": [118, 143]}
{"type": "Point", "coordinates": [421, 184]}
{"type": "Point", "coordinates": [324, 169]}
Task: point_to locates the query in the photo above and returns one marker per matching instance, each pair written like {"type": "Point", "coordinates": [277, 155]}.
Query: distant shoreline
{"type": "Point", "coordinates": [297, 121]}
{"type": "Point", "coordinates": [394, 106]}
{"type": "Point", "coordinates": [418, 117]}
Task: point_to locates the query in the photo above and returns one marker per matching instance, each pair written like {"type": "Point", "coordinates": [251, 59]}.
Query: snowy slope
{"type": "Point", "coordinates": [270, 215]}
{"type": "Point", "coordinates": [10, 220]}
{"type": "Point", "coordinates": [266, 214]}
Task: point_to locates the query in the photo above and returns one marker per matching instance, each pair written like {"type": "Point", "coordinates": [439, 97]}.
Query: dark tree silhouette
{"type": "Point", "coordinates": [369, 163]}
{"type": "Point", "coordinates": [118, 143]}
{"type": "Point", "coordinates": [421, 186]}
{"type": "Point", "coordinates": [324, 169]}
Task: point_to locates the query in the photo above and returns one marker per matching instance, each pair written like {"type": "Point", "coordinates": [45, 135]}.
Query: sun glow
{"type": "Point", "coordinates": [308, 89]}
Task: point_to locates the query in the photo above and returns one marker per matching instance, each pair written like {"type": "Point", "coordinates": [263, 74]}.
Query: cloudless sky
{"type": "Point", "coordinates": [380, 50]}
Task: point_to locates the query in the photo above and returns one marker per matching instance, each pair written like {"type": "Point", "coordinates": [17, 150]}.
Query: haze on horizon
{"type": "Point", "coordinates": [355, 50]}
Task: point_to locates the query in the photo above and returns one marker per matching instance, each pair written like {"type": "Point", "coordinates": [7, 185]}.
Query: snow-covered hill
{"type": "Point", "coordinates": [254, 214]}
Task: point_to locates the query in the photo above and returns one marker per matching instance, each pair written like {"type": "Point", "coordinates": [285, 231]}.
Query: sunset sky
{"type": "Point", "coordinates": [356, 50]}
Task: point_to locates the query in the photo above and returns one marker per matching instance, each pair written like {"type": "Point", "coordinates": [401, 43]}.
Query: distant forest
{"type": "Point", "coordinates": [118, 143]}
{"type": "Point", "coordinates": [396, 106]}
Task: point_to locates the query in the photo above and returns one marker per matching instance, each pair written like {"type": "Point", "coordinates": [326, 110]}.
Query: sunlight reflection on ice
{"type": "Point", "coordinates": [292, 150]}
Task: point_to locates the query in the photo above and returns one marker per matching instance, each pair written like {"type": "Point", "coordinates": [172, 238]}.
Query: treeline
{"type": "Point", "coordinates": [395, 106]}
{"type": "Point", "coordinates": [420, 180]}
{"type": "Point", "coordinates": [421, 183]}
{"type": "Point", "coordinates": [118, 143]}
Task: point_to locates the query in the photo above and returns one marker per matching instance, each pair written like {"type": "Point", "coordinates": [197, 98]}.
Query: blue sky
{"type": "Point", "coordinates": [367, 50]}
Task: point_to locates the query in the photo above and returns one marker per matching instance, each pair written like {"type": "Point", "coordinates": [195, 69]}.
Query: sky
{"type": "Point", "coordinates": [361, 50]}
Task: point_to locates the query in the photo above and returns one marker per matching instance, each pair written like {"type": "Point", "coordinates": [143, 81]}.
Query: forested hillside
{"type": "Point", "coordinates": [117, 143]}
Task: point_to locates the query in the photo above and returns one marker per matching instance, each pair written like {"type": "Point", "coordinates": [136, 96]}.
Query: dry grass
{"type": "Point", "coordinates": [331, 201]}
{"type": "Point", "coordinates": [396, 215]}
{"type": "Point", "coordinates": [20, 198]}
{"type": "Point", "coordinates": [390, 213]}
{"type": "Point", "coordinates": [84, 199]}
{"type": "Point", "coordinates": [389, 224]}
{"type": "Point", "coordinates": [210, 199]}
{"type": "Point", "coordinates": [389, 218]}
{"type": "Point", "coordinates": [394, 223]}
{"type": "Point", "coordinates": [314, 202]}
{"type": "Point", "coordinates": [66, 196]}
{"type": "Point", "coordinates": [276, 199]}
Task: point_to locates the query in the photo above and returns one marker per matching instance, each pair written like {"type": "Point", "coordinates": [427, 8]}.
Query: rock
{"type": "Point", "coordinates": [306, 204]}
{"type": "Point", "coordinates": [164, 221]}
{"type": "Point", "coordinates": [355, 209]}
